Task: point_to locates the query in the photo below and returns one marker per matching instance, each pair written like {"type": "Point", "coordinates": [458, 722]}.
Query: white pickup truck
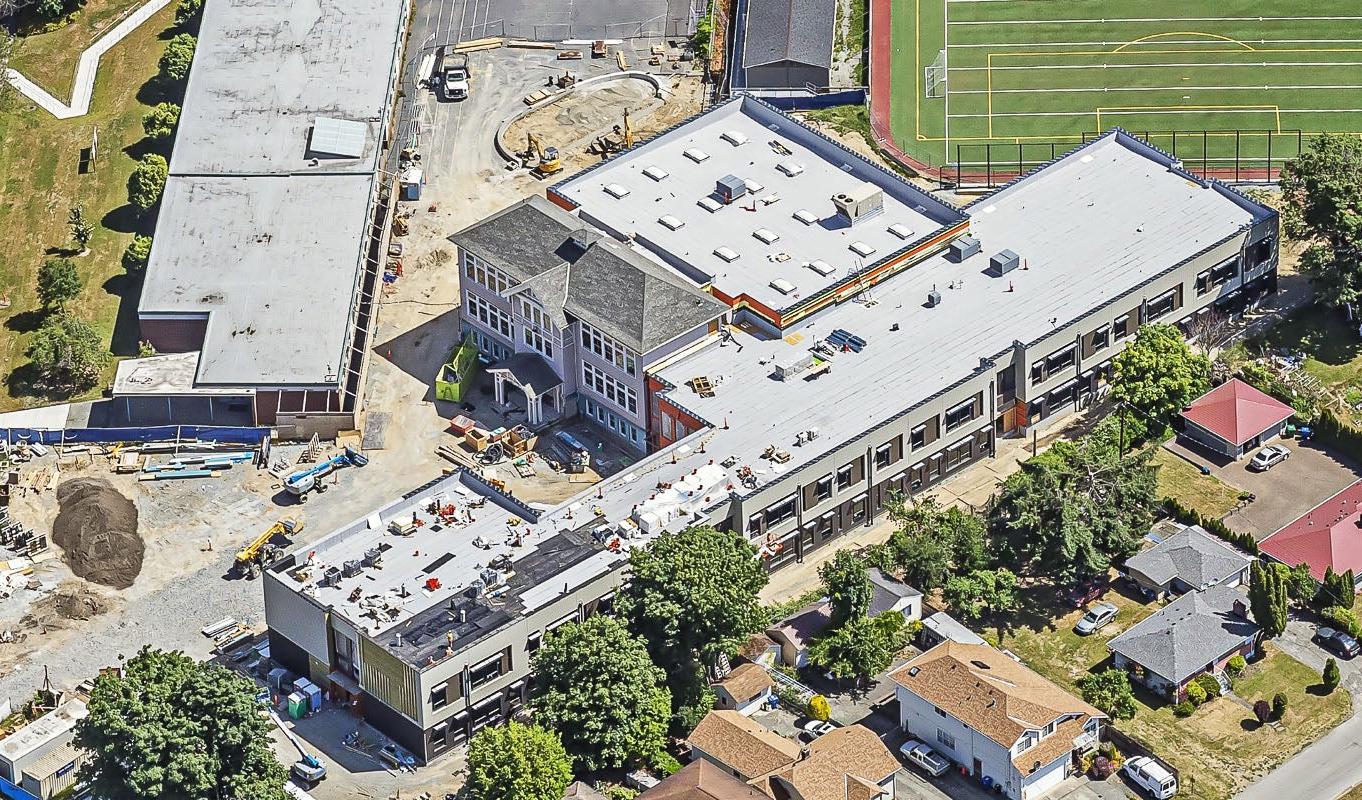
{"type": "Point", "coordinates": [454, 75]}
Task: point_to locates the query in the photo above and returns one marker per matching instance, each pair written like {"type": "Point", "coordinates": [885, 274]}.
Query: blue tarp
{"type": "Point", "coordinates": [250, 437]}
{"type": "Point", "coordinates": [11, 792]}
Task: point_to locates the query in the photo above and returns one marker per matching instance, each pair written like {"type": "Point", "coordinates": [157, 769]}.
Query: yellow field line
{"type": "Point", "coordinates": [1277, 112]}
{"type": "Point", "coordinates": [1182, 33]}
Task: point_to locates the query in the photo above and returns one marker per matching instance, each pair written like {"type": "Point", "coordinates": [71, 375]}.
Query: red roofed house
{"type": "Point", "coordinates": [1328, 535]}
{"type": "Point", "coordinates": [1234, 418]}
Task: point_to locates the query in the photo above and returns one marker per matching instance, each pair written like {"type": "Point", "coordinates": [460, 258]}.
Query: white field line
{"type": "Point", "coordinates": [86, 68]}
{"type": "Point", "coordinates": [1110, 20]}
{"type": "Point", "coordinates": [1033, 67]}
{"type": "Point", "coordinates": [1220, 42]}
{"type": "Point", "coordinates": [1143, 111]}
{"type": "Point", "coordinates": [1042, 90]}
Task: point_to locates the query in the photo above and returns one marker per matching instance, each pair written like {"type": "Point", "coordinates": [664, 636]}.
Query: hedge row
{"type": "Point", "coordinates": [1190, 516]}
{"type": "Point", "coordinates": [1339, 435]}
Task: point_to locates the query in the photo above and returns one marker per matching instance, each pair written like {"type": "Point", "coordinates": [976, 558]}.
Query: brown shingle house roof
{"type": "Point", "coordinates": [743, 745]}
{"type": "Point", "coordinates": [746, 682]}
{"type": "Point", "coordinates": [702, 780]}
{"type": "Point", "coordinates": [843, 764]}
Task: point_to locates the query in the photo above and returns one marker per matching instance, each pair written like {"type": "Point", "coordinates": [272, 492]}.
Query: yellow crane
{"type": "Point", "coordinates": [549, 163]}
{"type": "Point", "coordinates": [250, 558]}
{"type": "Point", "coordinates": [628, 131]}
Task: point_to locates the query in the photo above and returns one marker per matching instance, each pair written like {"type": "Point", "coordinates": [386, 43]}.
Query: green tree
{"type": "Point", "coordinates": [595, 685]}
{"type": "Point", "coordinates": [1331, 675]}
{"type": "Point", "coordinates": [1158, 373]}
{"type": "Point", "coordinates": [1074, 508]}
{"type": "Point", "coordinates": [81, 230]}
{"type": "Point", "coordinates": [1267, 599]}
{"type": "Point", "coordinates": [187, 10]}
{"type": "Point", "coordinates": [1322, 206]}
{"type": "Point", "coordinates": [59, 282]}
{"type": "Point", "coordinates": [1110, 691]}
{"type": "Point", "coordinates": [1336, 590]}
{"type": "Point", "coordinates": [1278, 705]}
{"type": "Point", "coordinates": [981, 590]}
{"type": "Point", "coordinates": [137, 253]}
{"type": "Point", "coordinates": [172, 727]}
{"type": "Point", "coordinates": [861, 648]}
{"type": "Point", "coordinates": [847, 583]}
{"type": "Point", "coordinates": [148, 180]}
{"type": "Point", "coordinates": [517, 762]}
{"type": "Point", "coordinates": [1301, 586]}
{"type": "Point", "coordinates": [67, 353]}
{"type": "Point", "coordinates": [178, 57]}
{"type": "Point", "coordinates": [932, 541]}
{"type": "Point", "coordinates": [160, 121]}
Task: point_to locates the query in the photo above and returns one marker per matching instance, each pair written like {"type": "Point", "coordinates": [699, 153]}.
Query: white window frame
{"type": "Point", "coordinates": [610, 388]}
{"type": "Point", "coordinates": [485, 274]}
{"type": "Point", "coordinates": [495, 319]}
{"type": "Point", "coordinates": [609, 350]}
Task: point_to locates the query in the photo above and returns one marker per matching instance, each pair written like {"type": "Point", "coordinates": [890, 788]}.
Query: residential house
{"type": "Point", "coordinates": [746, 689]}
{"type": "Point", "coordinates": [1188, 560]}
{"type": "Point", "coordinates": [796, 633]}
{"type": "Point", "coordinates": [1326, 536]}
{"type": "Point", "coordinates": [1234, 418]}
{"type": "Point", "coordinates": [702, 780]}
{"type": "Point", "coordinates": [747, 749]}
{"type": "Point", "coordinates": [891, 594]}
{"type": "Point", "coordinates": [760, 649]}
{"type": "Point", "coordinates": [995, 717]}
{"type": "Point", "coordinates": [942, 627]}
{"type": "Point", "coordinates": [1195, 634]}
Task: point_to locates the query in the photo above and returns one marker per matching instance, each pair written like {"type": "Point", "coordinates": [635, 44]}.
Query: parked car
{"type": "Point", "coordinates": [1151, 776]}
{"type": "Point", "coordinates": [1098, 616]}
{"type": "Point", "coordinates": [1340, 642]}
{"type": "Point", "coordinates": [1269, 457]}
{"type": "Point", "coordinates": [930, 761]}
{"type": "Point", "coordinates": [1085, 592]}
{"type": "Point", "coordinates": [818, 728]}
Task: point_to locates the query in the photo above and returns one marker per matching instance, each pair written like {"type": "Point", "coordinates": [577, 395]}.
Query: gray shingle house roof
{"type": "Point", "coordinates": [1193, 556]}
{"type": "Point", "coordinates": [1183, 637]}
{"type": "Point", "coordinates": [789, 30]}
{"type": "Point", "coordinates": [887, 591]}
{"type": "Point", "coordinates": [575, 270]}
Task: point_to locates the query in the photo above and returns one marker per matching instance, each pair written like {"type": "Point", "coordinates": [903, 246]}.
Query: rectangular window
{"type": "Point", "coordinates": [1060, 359]}
{"type": "Point", "coordinates": [1101, 339]}
{"type": "Point", "coordinates": [1203, 282]}
{"type": "Point", "coordinates": [945, 739]}
{"type": "Point", "coordinates": [884, 455]}
{"type": "Point", "coordinates": [1062, 395]}
{"type": "Point", "coordinates": [489, 315]}
{"type": "Point", "coordinates": [1122, 327]}
{"type": "Point", "coordinates": [780, 511]}
{"type": "Point", "coordinates": [934, 467]}
{"type": "Point", "coordinates": [609, 349]}
{"type": "Point", "coordinates": [666, 427]}
{"type": "Point", "coordinates": [439, 696]}
{"type": "Point", "coordinates": [960, 414]}
{"type": "Point", "coordinates": [1038, 371]}
{"type": "Point", "coordinates": [485, 274]}
{"type": "Point", "coordinates": [958, 454]}
{"type": "Point", "coordinates": [822, 488]}
{"type": "Point", "coordinates": [539, 342]}
{"type": "Point", "coordinates": [1162, 304]}
{"type": "Point", "coordinates": [844, 477]}
{"type": "Point", "coordinates": [611, 389]}
{"type": "Point", "coordinates": [919, 436]}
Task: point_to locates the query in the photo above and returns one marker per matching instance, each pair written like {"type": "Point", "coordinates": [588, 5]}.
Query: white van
{"type": "Point", "coordinates": [1151, 776]}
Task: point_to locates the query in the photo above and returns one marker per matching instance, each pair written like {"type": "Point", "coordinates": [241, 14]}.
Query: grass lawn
{"type": "Point", "coordinates": [49, 59]}
{"type": "Point", "coordinates": [1220, 748]}
{"type": "Point", "coordinates": [1205, 494]}
{"type": "Point", "coordinates": [1332, 346]}
{"type": "Point", "coordinates": [39, 158]}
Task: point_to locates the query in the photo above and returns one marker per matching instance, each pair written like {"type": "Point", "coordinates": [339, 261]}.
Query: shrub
{"type": "Point", "coordinates": [178, 57]}
{"type": "Point", "coordinates": [1262, 711]}
{"type": "Point", "coordinates": [616, 792]}
{"type": "Point", "coordinates": [1102, 768]}
{"type": "Point", "coordinates": [819, 708]}
{"type": "Point", "coordinates": [187, 10]}
{"type": "Point", "coordinates": [1278, 705]}
{"type": "Point", "coordinates": [1235, 666]}
{"type": "Point", "coordinates": [1183, 709]}
{"type": "Point", "coordinates": [160, 121]}
{"type": "Point", "coordinates": [1107, 750]}
{"type": "Point", "coordinates": [665, 764]}
{"type": "Point", "coordinates": [1331, 676]}
{"type": "Point", "coordinates": [1343, 619]}
{"type": "Point", "coordinates": [1190, 516]}
{"type": "Point", "coordinates": [147, 181]}
{"type": "Point", "coordinates": [1195, 694]}
{"type": "Point", "coordinates": [137, 253]}
{"type": "Point", "coordinates": [1209, 685]}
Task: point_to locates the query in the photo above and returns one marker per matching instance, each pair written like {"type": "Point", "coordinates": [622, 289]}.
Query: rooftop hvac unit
{"type": "Point", "coordinates": [793, 365]}
{"type": "Point", "coordinates": [730, 188]}
{"type": "Point", "coordinates": [933, 298]}
{"type": "Point", "coordinates": [858, 203]}
{"type": "Point", "coordinates": [372, 556]}
{"type": "Point", "coordinates": [490, 577]}
{"type": "Point", "coordinates": [330, 577]}
{"type": "Point", "coordinates": [963, 248]}
{"type": "Point", "coordinates": [1004, 262]}
{"type": "Point", "coordinates": [351, 568]}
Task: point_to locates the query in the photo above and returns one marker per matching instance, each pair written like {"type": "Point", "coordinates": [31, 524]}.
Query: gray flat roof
{"type": "Point", "coordinates": [265, 70]}
{"type": "Point", "coordinates": [1093, 226]}
{"type": "Point", "coordinates": [272, 261]}
{"type": "Point", "coordinates": [823, 168]}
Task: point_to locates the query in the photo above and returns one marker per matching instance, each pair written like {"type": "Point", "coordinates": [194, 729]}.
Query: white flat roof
{"type": "Point", "coordinates": [760, 236]}
{"type": "Point", "coordinates": [43, 730]}
{"type": "Point", "coordinates": [161, 375]}
{"type": "Point", "coordinates": [273, 262]}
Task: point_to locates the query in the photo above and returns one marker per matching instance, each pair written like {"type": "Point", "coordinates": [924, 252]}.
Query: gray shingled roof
{"type": "Point", "coordinates": [1187, 634]}
{"type": "Point", "coordinates": [1192, 555]}
{"type": "Point", "coordinates": [789, 30]}
{"type": "Point", "coordinates": [607, 285]}
{"type": "Point", "coordinates": [887, 591]}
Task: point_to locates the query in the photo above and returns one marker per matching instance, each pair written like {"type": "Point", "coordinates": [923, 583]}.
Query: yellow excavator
{"type": "Point", "coordinates": [549, 163]}
{"type": "Point", "coordinates": [624, 138]}
{"type": "Point", "coordinates": [254, 555]}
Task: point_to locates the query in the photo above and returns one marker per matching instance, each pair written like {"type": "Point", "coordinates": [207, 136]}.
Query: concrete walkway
{"type": "Point", "coordinates": [86, 68]}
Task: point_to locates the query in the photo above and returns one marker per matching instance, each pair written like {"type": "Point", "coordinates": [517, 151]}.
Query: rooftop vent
{"type": "Point", "coordinates": [616, 190]}
{"type": "Point", "coordinates": [805, 216]}
{"type": "Point", "coordinates": [710, 204]}
{"type": "Point", "coordinates": [728, 254]}
{"type": "Point", "coordinates": [729, 188]}
{"type": "Point", "coordinates": [783, 286]}
{"type": "Point", "coordinates": [963, 248]}
{"type": "Point", "coordinates": [695, 154]}
{"type": "Point", "coordinates": [1003, 263]}
{"type": "Point", "coordinates": [860, 202]}
{"type": "Point", "coordinates": [821, 267]}
{"type": "Point", "coordinates": [902, 231]}
{"type": "Point", "coordinates": [861, 248]}
{"type": "Point", "coordinates": [790, 167]}
{"type": "Point", "coordinates": [753, 186]}
{"type": "Point", "coordinates": [655, 172]}
{"type": "Point", "coordinates": [734, 138]}
{"type": "Point", "coordinates": [670, 222]}
{"type": "Point", "coordinates": [764, 235]}
{"type": "Point", "coordinates": [933, 298]}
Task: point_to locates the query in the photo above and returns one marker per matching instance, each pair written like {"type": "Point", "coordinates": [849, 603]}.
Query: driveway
{"type": "Point", "coordinates": [1310, 476]}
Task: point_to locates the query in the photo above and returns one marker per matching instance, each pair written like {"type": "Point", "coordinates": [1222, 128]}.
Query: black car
{"type": "Point", "coordinates": [1338, 641]}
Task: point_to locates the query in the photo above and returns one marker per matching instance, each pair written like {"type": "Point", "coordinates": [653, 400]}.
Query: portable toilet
{"type": "Point", "coordinates": [412, 181]}
{"type": "Point", "coordinates": [297, 705]}
{"type": "Point", "coordinates": [278, 678]}
{"type": "Point", "coordinates": [314, 697]}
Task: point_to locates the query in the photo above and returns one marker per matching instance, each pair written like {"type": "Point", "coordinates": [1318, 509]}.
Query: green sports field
{"type": "Point", "coordinates": [1232, 78]}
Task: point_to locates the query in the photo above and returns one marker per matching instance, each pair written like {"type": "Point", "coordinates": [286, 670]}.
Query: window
{"type": "Point", "coordinates": [919, 436]}
{"type": "Point", "coordinates": [611, 389]}
{"type": "Point", "coordinates": [958, 454]}
{"type": "Point", "coordinates": [485, 274]}
{"type": "Point", "coordinates": [959, 415]}
{"type": "Point", "coordinates": [934, 467]}
{"type": "Point", "coordinates": [1060, 359]}
{"type": "Point", "coordinates": [1122, 327]}
{"type": "Point", "coordinates": [843, 477]}
{"type": "Point", "coordinates": [608, 349]}
{"type": "Point", "coordinates": [1049, 729]}
{"type": "Point", "coordinates": [1062, 395]}
{"type": "Point", "coordinates": [884, 455]}
{"type": "Point", "coordinates": [489, 315]}
{"type": "Point", "coordinates": [666, 427]}
{"type": "Point", "coordinates": [780, 511]}
{"type": "Point", "coordinates": [822, 488]}
{"type": "Point", "coordinates": [754, 522]}
{"type": "Point", "coordinates": [539, 341]}
{"type": "Point", "coordinates": [1260, 251]}
{"type": "Point", "coordinates": [439, 696]}
{"type": "Point", "coordinates": [945, 739]}
{"type": "Point", "coordinates": [1101, 339]}
{"type": "Point", "coordinates": [939, 712]}
{"type": "Point", "coordinates": [486, 672]}
{"type": "Point", "coordinates": [1162, 304]}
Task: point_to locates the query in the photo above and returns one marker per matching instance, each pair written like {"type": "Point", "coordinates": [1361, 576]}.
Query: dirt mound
{"type": "Point", "coordinates": [78, 603]}
{"type": "Point", "coordinates": [96, 528]}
